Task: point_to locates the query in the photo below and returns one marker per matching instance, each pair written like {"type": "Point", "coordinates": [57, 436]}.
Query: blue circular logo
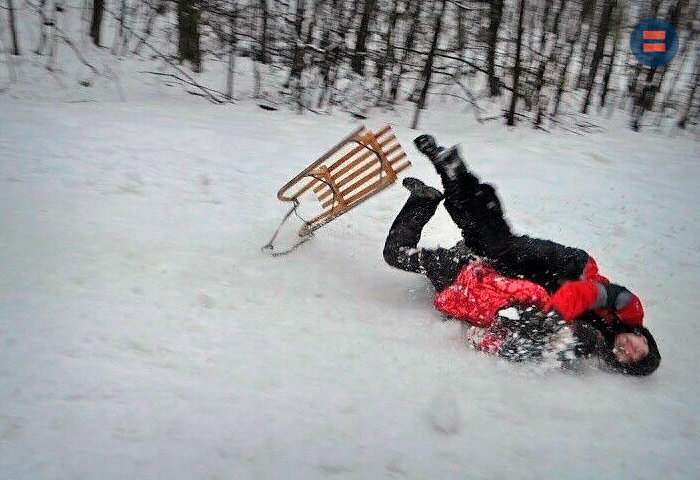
{"type": "Point", "coordinates": [654, 42]}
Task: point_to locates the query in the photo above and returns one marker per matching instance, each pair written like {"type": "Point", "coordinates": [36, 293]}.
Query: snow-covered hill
{"type": "Point", "coordinates": [144, 334]}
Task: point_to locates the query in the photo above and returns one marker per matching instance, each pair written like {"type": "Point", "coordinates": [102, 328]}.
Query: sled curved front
{"type": "Point", "coordinates": [355, 169]}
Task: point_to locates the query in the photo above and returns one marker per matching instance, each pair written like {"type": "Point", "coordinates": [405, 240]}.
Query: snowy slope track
{"type": "Point", "coordinates": [144, 334]}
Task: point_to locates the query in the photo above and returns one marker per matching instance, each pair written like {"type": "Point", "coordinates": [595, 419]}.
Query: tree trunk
{"type": "Point", "coordinates": [146, 33]}
{"type": "Point", "coordinates": [119, 34]}
{"type": "Point", "coordinates": [233, 15]}
{"type": "Point", "coordinates": [587, 17]}
{"type": "Point", "coordinates": [565, 71]}
{"type": "Point", "coordinates": [42, 28]}
{"type": "Point", "coordinates": [188, 33]}
{"type": "Point", "coordinates": [685, 116]}
{"type": "Point", "coordinates": [613, 53]}
{"type": "Point", "coordinates": [461, 37]}
{"type": "Point", "coordinates": [682, 59]}
{"type": "Point", "coordinates": [263, 34]}
{"type": "Point", "coordinates": [674, 18]}
{"type": "Point", "coordinates": [550, 48]}
{"type": "Point", "coordinates": [428, 68]}
{"type": "Point", "coordinates": [603, 29]}
{"type": "Point", "coordinates": [408, 46]}
{"type": "Point", "coordinates": [13, 28]}
{"type": "Point", "coordinates": [298, 56]}
{"type": "Point", "coordinates": [360, 55]}
{"type": "Point", "coordinates": [495, 15]}
{"type": "Point", "coordinates": [516, 67]}
{"type": "Point", "coordinates": [387, 58]}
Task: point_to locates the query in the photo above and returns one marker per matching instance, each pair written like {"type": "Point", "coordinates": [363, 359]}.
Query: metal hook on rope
{"type": "Point", "coordinates": [269, 246]}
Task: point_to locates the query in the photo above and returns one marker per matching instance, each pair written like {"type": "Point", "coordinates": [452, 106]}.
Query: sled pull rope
{"type": "Point", "coordinates": [269, 247]}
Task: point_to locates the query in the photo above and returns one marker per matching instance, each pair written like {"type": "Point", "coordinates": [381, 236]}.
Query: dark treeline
{"type": "Point", "coordinates": [543, 60]}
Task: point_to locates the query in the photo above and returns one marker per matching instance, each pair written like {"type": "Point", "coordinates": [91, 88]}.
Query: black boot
{"type": "Point", "coordinates": [420, 189]}
{"type": "Point", "coordinates": [427, 145]}
{"type": "Point", "coordinates": [440, 157]}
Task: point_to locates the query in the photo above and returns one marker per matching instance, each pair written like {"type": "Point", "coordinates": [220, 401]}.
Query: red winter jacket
{"type": "Point", "coordinates": [479, 292]}
{"type": "Point", "coordinates": [595, 292]}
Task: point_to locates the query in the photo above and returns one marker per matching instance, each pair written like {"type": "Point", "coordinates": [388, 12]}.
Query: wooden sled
{"type": "Point", "coordinates": [355, 169]}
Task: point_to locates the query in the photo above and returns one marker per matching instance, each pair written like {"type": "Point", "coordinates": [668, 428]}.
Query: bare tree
{"type": "Point", "coordinates": [119, 32]}
{"type": "Point", "coordinates": [263, 32]}
{"type": "Point", "coordinates": [550, 47]}
{"type": "Point", "coordinates": [567, 60]}
{"type": "Point", "coordinates": [588, 12]}
{"type": "Point", "coordinates": [495, 15]}
{"type": "Point", "coordinates": [516, 66]}
{"type": "Point", "coordinates": [428, 67]}
{"type": "Point", "coordinates": [603, 29]}
{"type": "Point", "coordinates": [233, 16]}
{"type": "Point", "coordinates": [153, 11]}
{"type": "Point", "coordinates": [298, 56]}
{"type": "Point", "coordinates": [613, 55]}
{"type": "Point", "coordinates": [387, 58]}
{"type": "Point", "coordinates": [400, 68]}
{"type": "Point", "coordinates": [98, 8]}
{"type": "Point", "coordinates": [13, 27]}
{"type": "Point", "coordinates": [688, 45]}
{"type": "Point", "coordinates": [693, 90]}
{"type": "Point", "coordinates": [188, 33]}
{"type": "Point", "coordinates": [547, 53]}
{"type": "Point", "coordinates": [360, 55]}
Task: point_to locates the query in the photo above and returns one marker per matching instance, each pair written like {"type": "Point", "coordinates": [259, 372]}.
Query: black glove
{"type": "Point", "coordinates": [617, 296]}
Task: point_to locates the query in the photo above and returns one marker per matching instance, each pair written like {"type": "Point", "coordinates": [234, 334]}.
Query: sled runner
{"type": "Point", "coordinates": [356, 168]}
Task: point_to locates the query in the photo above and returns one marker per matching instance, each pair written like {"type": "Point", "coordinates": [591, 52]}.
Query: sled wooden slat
{"type": "Point", "coordinates": [358, 148]}
{"type": "Point", "coordinates": [326, 217]}
{"type": "Point", "coordinates": [368, 161]}
{"type": "Point", "coordinates": [323, 191]}
{"type": "Point", "coordinates": [367, 155]}
{"type": "Point", "coordinates": [355, 169]}
{"type": "Point", "coordinates": [372, 177]}
{"type": "Point", "coordinates": [374, 173]}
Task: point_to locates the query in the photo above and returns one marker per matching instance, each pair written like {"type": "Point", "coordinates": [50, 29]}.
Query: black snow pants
{"type": "Point", "coordinates": [476, 209]}
{"type": "Point", "coordinates": [440, 265]}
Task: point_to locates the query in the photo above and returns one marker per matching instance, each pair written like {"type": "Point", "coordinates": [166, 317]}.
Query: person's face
{"type": "Point", "coordinates": [630, 347]}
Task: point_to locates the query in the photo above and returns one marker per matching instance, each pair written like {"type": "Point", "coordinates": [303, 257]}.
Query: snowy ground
{"type": "Point", "coordinates": [144, 334]}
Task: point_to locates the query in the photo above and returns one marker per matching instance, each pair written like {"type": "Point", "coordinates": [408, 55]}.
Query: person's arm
{"type": "Point", "coordinates": [575, 298]}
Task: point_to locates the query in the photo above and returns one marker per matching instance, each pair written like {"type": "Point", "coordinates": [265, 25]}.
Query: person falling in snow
{"type": "Point", "coordinates": [519, 293]}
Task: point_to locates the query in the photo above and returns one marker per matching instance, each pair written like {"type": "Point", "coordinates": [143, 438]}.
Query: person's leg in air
{"type": "Point", "coordinates": [440, 265]}
{"type": "Point", "coordinates": [476, 209]}
{"type": "Point", "coordinates": [405, 231]}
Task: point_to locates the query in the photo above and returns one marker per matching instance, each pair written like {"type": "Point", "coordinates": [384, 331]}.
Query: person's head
{"type": "Point", "coordinates": [630, 347]}
{"type": "Point", "coordinates": [633, 351]}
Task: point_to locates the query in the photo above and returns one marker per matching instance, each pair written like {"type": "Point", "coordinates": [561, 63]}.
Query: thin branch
{"type": "Point", "coordinates": [206, 91]}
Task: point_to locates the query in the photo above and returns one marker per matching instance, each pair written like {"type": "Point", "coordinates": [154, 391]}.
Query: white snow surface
{"type": "Point", "coordinates": [145, 335]}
